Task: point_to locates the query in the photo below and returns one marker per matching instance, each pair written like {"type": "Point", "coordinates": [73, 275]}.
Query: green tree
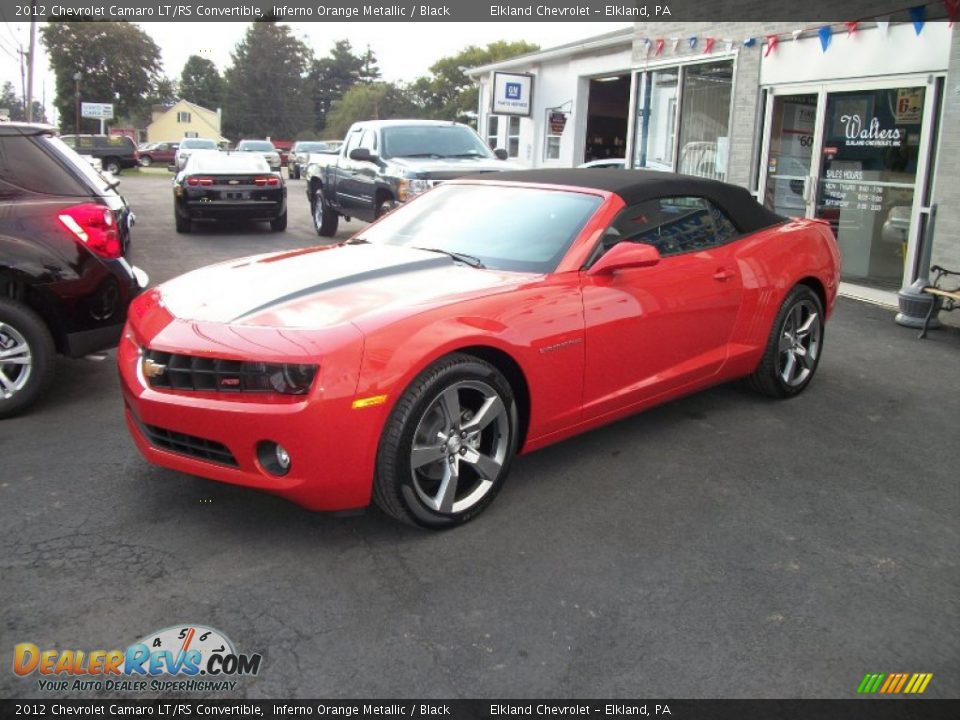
{"type": "Point", "coordinates": [333, 75]}
{"type": "Point", "coordinates": [264, 87]}
{"type": "Point", "coordinates": [368, 101]}
{"type": "Point", "coordinates": [13, 104]}
{"type": "Point", "coordinates": [118, 63]}
{"type": "Point", "coordinates": [448, 93]}
{"type": "Point", "coordinates": [200, 82]}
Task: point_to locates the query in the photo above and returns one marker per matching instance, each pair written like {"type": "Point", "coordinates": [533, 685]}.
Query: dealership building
{"type": "Point", "coordinates": [857, 123]}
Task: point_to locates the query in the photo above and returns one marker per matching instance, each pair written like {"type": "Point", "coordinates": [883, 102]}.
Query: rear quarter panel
{"type": "Point", "coordinates": [771, 263]}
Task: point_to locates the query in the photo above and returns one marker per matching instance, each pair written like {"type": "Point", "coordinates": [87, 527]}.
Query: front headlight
{"type": "Point", "coordinates": [409, 187]}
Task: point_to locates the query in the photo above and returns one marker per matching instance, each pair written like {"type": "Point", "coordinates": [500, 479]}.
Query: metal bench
{"type": "Point", "coordinates": [945, 298]}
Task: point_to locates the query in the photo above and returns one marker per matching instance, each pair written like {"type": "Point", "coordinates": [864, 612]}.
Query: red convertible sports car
{"type": "Point", "coordinates": [487, 317]}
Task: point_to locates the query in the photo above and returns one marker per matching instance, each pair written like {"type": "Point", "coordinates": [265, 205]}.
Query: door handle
{"type": "Point", "coordinates": [722, 275]}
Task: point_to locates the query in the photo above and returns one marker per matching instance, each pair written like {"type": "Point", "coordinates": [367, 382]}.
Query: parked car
{"type": "Point", "coordinates": [116, 152]}
{"type": "Point", "coordinates": [159, 153]}
{"type": "Point", "coordinates": [491, 315]}
{"type": "Point", "coordinates": [301, 151]}
{"type": "Point", "coordinates": [64, 282]}
{"type": "Point", "coordinates": [386, 162]}
{"type": "Point", "coordinates": [229, 186]}
{"type": "Point", "coordinates": [265, 149]}
{"type": "Point", "coordinates": [188, 146]}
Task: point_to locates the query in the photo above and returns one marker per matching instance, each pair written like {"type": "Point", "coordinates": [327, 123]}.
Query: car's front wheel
{"type": "Point", "coordinates": [27, 357]}
{"type": "Point", "coordinates": [447, 445]}
{"type": "Point", "coordinates": [794, 346]}
{"type": "Point", "coordinates": [325, 219]}
{"type": "Point", "coordinates": [146, 161]}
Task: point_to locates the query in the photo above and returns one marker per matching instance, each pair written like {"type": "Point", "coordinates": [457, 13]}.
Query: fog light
{"type": "Point", "coordinates": [273, 457]}
{"type": "Point", "coordinates": [283, 457]}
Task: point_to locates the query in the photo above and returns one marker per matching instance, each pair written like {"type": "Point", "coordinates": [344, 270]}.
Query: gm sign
{"type": "Point", "coordinates": [512, 93]}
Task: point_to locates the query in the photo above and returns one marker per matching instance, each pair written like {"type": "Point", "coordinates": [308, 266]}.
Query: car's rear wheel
{"type": "Point", "coordinates": [793, 349]}
{"type": "Point", "coordinates": [112, 166]}
{"type": "Point", "coordinates": [27, 357]}
{"type": "Point", "coordinates": [279, 223]}
{"type": "Point", "coordinates": [183, 224]}
{"type": "Point", "coordinates": [447, 446]}
{"type": "Point", "coordinates": [146, 161]}
{"type": "Point", "coordinates": [325, 219]}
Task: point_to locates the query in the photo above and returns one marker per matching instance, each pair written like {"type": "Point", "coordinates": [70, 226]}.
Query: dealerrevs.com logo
{"type": "Point", "coordinates": [181, 658]}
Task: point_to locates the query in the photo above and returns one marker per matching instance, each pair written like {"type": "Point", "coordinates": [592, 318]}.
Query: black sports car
{"type": "Point", "coordinates": [229, 186]}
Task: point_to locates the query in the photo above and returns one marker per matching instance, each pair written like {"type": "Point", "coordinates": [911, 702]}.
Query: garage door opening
{"type": "Point", "coordinates": [608, 105]}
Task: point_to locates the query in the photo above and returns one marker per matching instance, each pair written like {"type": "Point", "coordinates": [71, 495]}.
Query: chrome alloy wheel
{"type": "Point", "coordinates": [460, 446]}
{"type": "Point", "coordinates": [799, 345]}
{"type": "Point", "coordinates": [16, 361]}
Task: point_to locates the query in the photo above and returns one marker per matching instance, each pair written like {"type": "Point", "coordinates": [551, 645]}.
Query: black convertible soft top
{"type": "Point", "coordinates": [635, 186]}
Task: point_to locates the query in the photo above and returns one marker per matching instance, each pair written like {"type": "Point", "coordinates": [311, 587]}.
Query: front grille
{"type": "Point", "coordinates": [188, 445]}
{"type": "Point", "coordinates": [189, 372]}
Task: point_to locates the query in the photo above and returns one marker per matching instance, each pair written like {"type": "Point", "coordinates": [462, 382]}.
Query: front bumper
{"type": "Point", "coordinates": [332, 446]}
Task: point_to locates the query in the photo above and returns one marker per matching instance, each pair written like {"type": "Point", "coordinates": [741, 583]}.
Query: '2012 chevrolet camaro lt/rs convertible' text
{"type": "Point", "coordinates": [487, 317]}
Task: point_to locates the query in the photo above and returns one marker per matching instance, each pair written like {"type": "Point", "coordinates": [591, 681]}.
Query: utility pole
{"type": "Point", "coordinates": [30, 56]}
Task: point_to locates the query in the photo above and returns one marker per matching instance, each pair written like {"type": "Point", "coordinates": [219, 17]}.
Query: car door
{"type": "Point", "coordinates": [365, 176]}
{"type": "Point", "coordinates": [656, 329]}
{"type": "Point", "coordinates": [345, 190]}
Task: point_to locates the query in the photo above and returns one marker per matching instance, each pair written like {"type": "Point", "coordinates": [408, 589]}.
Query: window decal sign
{"type": "Point", "coordinates": [859, 132]}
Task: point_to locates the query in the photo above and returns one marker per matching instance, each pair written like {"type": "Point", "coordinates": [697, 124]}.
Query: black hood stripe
{"type": "Point", "coordinates": [377, 274]}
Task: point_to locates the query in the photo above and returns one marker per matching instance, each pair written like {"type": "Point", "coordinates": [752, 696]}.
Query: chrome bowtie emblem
{"type": "Point", "coordinates": [152, 369]}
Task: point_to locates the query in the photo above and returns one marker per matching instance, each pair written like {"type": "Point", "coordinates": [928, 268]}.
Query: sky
{"type": "Point", "coordinates": [404, 50]}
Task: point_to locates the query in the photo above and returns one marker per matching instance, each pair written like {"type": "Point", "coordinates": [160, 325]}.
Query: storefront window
{"type": "Point", "coordinates": [513, 137]}
{"type": "Point", "coordinates": [657, 121]}
{"type": "Point", "coordinates": [704, 124]}
{"type": "Point", "coordinates": [493, 131]}
{"type": "Point", "coordinates": [871, 148]}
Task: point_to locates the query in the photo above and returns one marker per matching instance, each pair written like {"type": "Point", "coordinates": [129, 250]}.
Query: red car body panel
{"type": "Point", "coordinates": [374, 317]}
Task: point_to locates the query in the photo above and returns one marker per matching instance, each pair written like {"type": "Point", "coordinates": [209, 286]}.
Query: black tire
{"type": "Point", "coordinates": [769, 377]}
{"type": "Point", "coordinates": [112, 166]}
{"type": "Point", "coordinates": [184, 225]}
{"type": "Point", "coordinates": [146, 161]}
{"type": "Point", "coordinates": [26, 323]}
{"type": "Point", "coordinates": [385, 205]}
{"type": "Point", "coordinates": [325, 219]}
{"type": "Point", "coordinates": [398, 488]}
{"type": "Point", "coordinates": [279, 223]}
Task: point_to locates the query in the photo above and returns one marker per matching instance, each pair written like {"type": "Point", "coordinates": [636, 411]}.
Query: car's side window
{"type": "Point", "coordinates": [369, 140]}
{"type": "Point", "coordinates": [673, 225]}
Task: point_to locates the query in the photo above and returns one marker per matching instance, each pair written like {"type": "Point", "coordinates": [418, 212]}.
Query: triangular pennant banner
{"type": "Point", "coordinates": [883, 26]}
{"type": "Point", "coordinates": [708, 45]}
{"type": "Point", "coordinates": [659, 46]}
{"type": "Point", "coordinates": [692, 40]}
{"type": "Point", "coordinates": [826, 34]}
{"type": "Point", "coordinates": [647, 44]}
{"type": "Point", "coordinates": [771, 45]}
{"type": "Point", "coordinates": [674, 44]}
{"type": "Point", "coordinates": [851, 27]}
{"type": "Point", "coordinates": [796, 34]}
{"type": "Point", "coordinates": [728, 44]}
{"type": "Point", "coordinates": [952, 6]}
{"type": "Point", "coordinates": [750, 42]}
{"type": "Point", "coordinates": [918, 16]}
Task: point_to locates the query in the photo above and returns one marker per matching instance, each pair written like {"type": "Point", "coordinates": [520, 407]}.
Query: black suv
{"type": "Point", "coordinates": [64, 282]}
{"type": "Point", "coordinates": [116, 152]}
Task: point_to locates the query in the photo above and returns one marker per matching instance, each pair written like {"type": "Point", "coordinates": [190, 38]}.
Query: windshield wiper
{"type": "Point", "coordinates": [471, 154]}
{"type": "Point", "coordinates": [419, 155]}
{"type": "Point", "coordinates": [470, 260]}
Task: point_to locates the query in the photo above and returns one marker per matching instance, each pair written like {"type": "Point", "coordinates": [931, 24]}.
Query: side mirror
{"type": "Point", "coordinates": [501, 154]}
{"type": "Point", "coordinates": [625, 255]}
{"type": "Point", "coordinates": [363, 155]}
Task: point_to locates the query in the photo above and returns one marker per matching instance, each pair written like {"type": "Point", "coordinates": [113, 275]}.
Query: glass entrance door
{"type": "Point", "coordinates": [867, 176]}
{"type": "Point", "coordinates": [790, 154]}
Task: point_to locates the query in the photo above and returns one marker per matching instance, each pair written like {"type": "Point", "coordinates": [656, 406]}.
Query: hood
{"type": "Point", "coordinates": [449, 168]}
{"type": "Point", "coordinates": [325, 286]}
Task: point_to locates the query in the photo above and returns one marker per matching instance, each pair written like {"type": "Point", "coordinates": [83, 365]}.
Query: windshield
{"type": "Point", "coordinates": [437, 141]}
{"type": "Point", "coordinates": [256, 146]}
{"type": "Point", "coordinates": [198, 144]}
{"type": "Point", "coordinates": [506, 228]}
{"type": "Point", "coordinates": [315, 147]}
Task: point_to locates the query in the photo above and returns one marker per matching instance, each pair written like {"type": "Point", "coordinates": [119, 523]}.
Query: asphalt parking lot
{"type": "Point", "coordinates": [721, 546]}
